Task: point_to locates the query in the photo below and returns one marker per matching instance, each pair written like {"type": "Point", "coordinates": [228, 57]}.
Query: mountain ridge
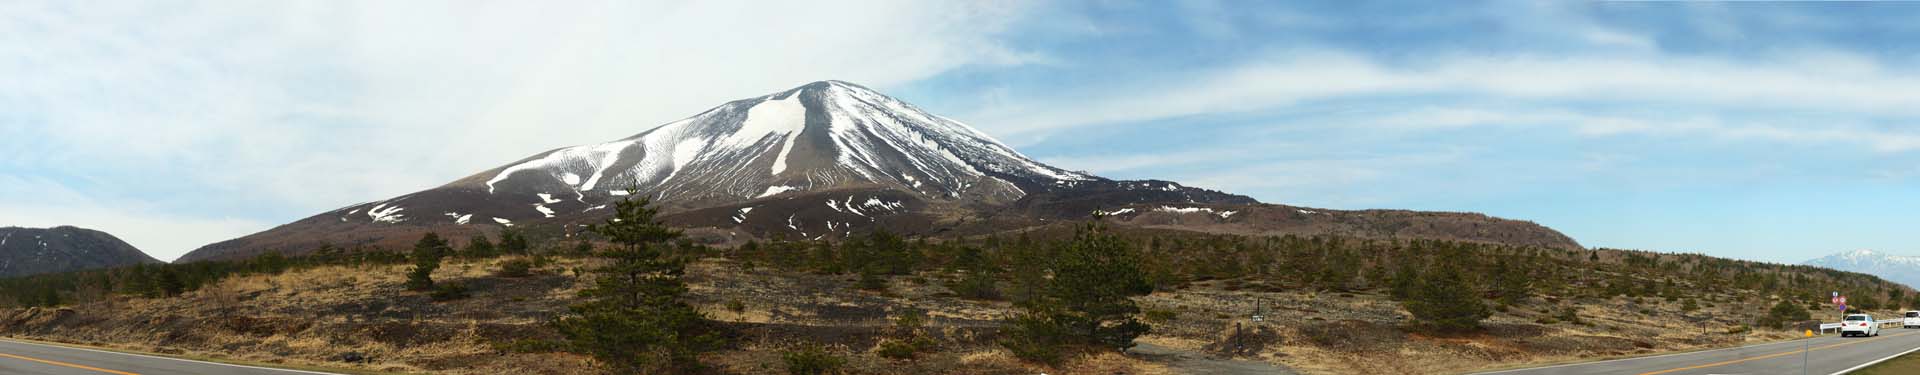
{"type": "Point", "coordinates": [30, 251]}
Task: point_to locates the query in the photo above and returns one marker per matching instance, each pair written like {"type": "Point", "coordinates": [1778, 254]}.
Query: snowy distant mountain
{"type": "Point", "coordinates": [1896, 268]}
{"type": "Point", "coordinates": [818, 136]}
{"type": "Point", "coordinates": [27, 251]}
{"type": "Point", "coordinates": [824, 160]}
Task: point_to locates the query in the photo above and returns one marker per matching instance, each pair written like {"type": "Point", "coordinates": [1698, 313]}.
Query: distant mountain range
{"type": "Point", "coordinates": [821, 161]}
{"type": "Point", "coordinates": [1896, 268]}
{"type": "Point", "coordinates": [28, 251]}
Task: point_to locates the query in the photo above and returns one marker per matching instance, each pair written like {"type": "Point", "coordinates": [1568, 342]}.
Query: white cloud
{"type": "Point", "coordinates": [1815, 82]}
{"type": "Point", "coordinates": [307, 106]}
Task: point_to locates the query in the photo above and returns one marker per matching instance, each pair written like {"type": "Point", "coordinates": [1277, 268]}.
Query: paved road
{"type": "Point", "coordinates": [1828, 355]}
{"type": "Point", "coordinates": [24, 358]}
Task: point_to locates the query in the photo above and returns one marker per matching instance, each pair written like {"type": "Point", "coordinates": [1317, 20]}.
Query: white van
{"type": "Point", "coordinates": [1911, 321]}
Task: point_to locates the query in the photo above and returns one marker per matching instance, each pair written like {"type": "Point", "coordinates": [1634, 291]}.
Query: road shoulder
{"type": "Point", "coordinates": [201, 359]}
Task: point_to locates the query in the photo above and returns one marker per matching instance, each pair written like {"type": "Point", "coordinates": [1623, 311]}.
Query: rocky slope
{"type": "Point", "coordinates": [820, 161]}
{"type": "Point", "coordinates": [28, 251]}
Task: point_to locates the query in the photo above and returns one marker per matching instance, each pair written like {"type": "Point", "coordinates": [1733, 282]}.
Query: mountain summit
{"type": "Point", "coordinates": [825, 160]}
{"type": "Point", "coordinates": [819, 136]}
{"type": "Point", "coordinates": [28, 251]}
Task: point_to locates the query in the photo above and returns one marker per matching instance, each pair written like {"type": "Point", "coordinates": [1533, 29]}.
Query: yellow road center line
{"type": "Point", "coordinates": [64, 364]}
{"type": "Point", "coordinates": [1774, 355]}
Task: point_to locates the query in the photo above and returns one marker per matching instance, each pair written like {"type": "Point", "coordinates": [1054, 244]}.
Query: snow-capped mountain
{"type": "Point", "coordinates": [27, 251]}
{"type": "Point", "coordinates": [1896, 268]}
{"type": "Point", "coordinates": [818, 136]}
{"type": "Point", "coordinates": [824, 160]}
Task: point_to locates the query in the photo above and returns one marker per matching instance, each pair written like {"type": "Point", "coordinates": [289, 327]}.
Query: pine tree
{"type": "Point", "coordinates": [1405, 280]}
{"type": "Point", "coordinates": [167, 282]}
{"type": "Point", "coordinates": [636, 319]}
{"type": "Point", "coordinates": [479, 247]}
{"type": "Point", "coordinates": [426, 258]}
{"type": "Point", "coordinates": [1087, 302]}
{"type": "Point", "coordinates": [1510, 283]}
{"type": "Point", "coordinates": [1445, 302]}
{"type": "Point", "coordinates": [513, 242]}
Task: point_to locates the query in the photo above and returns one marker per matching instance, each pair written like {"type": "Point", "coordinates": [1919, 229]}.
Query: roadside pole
{"type": "Point", "coordinates": [1804, 344]}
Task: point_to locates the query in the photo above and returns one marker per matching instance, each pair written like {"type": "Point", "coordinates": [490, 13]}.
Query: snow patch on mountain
{"type": "Point", "coordinates": [1189, 210]}
{"type": "Point", "coordinates": [386, 214]}
{"type": "Point", "coordinates": [776, 190]}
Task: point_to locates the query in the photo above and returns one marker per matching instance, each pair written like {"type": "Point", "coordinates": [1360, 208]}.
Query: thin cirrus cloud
{"type": "Point", "coordinates": [1825, 81]}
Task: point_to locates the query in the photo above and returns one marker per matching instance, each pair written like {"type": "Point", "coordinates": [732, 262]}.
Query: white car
{"type": "Point", "coordinates": [1911, 321]}
{"type": "Point", "coordinates": [1859, 325]}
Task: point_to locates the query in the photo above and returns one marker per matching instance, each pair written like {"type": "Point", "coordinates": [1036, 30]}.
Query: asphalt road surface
{"type": "Point", "coordinates": [1829, 354]}
{"type": "Point", "coordinates": [25, 358]}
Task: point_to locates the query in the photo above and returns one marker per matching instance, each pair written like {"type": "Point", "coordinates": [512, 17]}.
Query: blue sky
{"type": "Point", "coordinates": [1768, 131]}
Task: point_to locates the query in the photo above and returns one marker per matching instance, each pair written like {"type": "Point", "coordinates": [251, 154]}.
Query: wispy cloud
{"type": "Point", "coordinates": [1826, 81]}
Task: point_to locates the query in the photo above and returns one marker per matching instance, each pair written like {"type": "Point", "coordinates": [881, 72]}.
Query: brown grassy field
{"type": "Point", "coordinates": [318, 316]}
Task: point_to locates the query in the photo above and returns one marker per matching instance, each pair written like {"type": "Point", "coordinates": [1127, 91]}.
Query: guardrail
{"type": "Point", "coordinates": [1836, 326]}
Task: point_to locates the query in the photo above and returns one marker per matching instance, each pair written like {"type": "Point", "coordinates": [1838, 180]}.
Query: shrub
{"type": "Point", "coordinates": [811, 359]}
{"type": "Point", "coordinates": [448, 292]}
{"type": "Point", "coordinates": [1161, 315]}
{"type": "Point", "coordinates": [736, 306]}
{"type": "Point", "coordinates": [909, 320]}
{"type": "Point", "coordinates": [976, 285]}
{"type": "Point", "coordinates": [895, 349]}
{"type": "Point", "coordinates": [1569, 315]}
{"type": "Point", "coordinates": [870, 280]}
{"type": "Point", "coordinates": [1784, 313]}
{"type": "Point", "coordinates": [516, 267]}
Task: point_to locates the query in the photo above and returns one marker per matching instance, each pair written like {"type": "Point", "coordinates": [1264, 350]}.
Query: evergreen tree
{"type": "Point", "coordinates": [636, 319]}
{"type": "Point", "coordinates": [513, 242]}
{"type": "Point", "coordinates": [1445, 302]}
{"type": "Point", "coordinates": [480, 247]}
{"type": "Point", "coordinates": [1510, 283]}
{"type": "Point", "coordinates": [426, 258]}
{"type": "Point", "coordinates": [167, 282]}
{"type": "Point", "coordinates": [1405, 280]}
{"type": "Point", "coordinates": [1087, 302]}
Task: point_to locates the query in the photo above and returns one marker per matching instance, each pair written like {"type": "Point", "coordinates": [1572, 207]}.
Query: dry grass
{"type": "Point", "coordinates": [311, 317]}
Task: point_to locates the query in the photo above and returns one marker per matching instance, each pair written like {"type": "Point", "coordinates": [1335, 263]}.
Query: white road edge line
{"type": "Point", "coordinates": [1875, 362]}
{"type": "Point", "coordinates": [1646, 357]}
{"type": "Point", "coordinates": [167, 358]}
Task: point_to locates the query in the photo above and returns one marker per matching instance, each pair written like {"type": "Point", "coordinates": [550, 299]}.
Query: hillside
{"type": "Point", "coordinates": [826, 160]}
{"type": "Point", "coordinates": [28, 251]}
{"type": "Point", "coordinates": [1328, 301]}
